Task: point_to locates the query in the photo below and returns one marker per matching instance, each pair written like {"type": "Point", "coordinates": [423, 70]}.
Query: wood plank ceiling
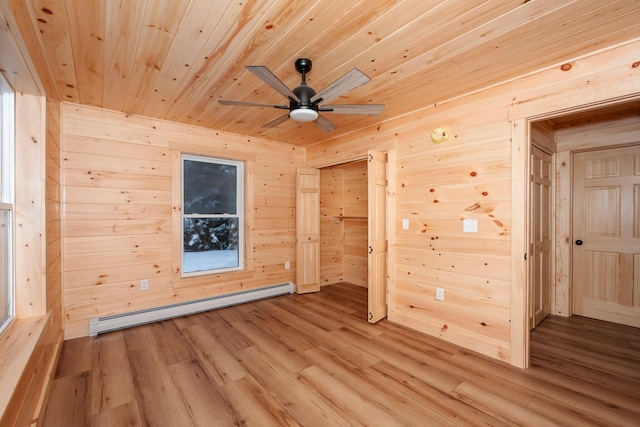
{"type": "Point", "coordinates": [173, 59]}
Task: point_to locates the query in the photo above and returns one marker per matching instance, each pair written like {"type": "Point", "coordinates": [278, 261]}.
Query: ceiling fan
{"type": "Point", "coordinates": [305, 103]}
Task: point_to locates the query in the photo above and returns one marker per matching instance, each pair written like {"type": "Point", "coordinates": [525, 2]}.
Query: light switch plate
{"type": "Point", "coordinates": [470, 225]}
{"type": "Point", "coordinates": [405, 224]}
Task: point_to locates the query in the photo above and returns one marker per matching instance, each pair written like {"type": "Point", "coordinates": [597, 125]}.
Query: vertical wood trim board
{"type": "Point", "coordinates": [520, 152]}
{"type": "Point", "coordinates": [30, 231]}
{"type": "Point", "coordinates": [563, 276]}
{"type": "Point", "coordinates": [53, 213]}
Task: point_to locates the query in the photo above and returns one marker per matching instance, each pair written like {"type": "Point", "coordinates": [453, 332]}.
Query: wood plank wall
{"type": "Point", "coordinates": [469, 177]}
{"type": "Point", "coordinates": [355, 251]}
{"type": "Point", "coordinates": [355, 223]}
{"type": "Point", "coordinates": [53, 335]}
{"type": "Point", "coordinates": [53, 213]}
{"type": "Point", "coordinates": [343, 227]}
{"type": "Point", "coordinates": [118, 183]}
{"type": "Point", "coordinates": [331, 227]}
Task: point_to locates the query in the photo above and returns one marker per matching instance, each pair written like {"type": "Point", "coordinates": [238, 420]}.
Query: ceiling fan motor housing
{"type": "Point", "coordinates": [304, 94]}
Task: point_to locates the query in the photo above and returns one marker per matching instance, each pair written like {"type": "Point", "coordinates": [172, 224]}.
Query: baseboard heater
{"type": "Point", "coordinates": [98, 325]}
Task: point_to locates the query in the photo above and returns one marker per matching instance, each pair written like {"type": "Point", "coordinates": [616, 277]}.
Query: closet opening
{"type": "Point", "coordinates": [344, 228]}
{"type": "Point", "coordinates": [344, 224]}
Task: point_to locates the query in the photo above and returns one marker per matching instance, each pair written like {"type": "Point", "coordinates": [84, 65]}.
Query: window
{"type": "Point", "coordinates": [212, 215]}
{"type": "Point", "coordinates": [7, 108]}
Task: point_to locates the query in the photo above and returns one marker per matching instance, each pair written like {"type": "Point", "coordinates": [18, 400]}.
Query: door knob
{"type": "Point", "coordinates": [579, 242]}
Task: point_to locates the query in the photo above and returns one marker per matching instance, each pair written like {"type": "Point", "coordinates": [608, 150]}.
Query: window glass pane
{"type": "Point", "coordinates": [5, 266]}
{"type": "Point", "coordinates": [212, 221]}
{"type": "Point", "coordinates": [209, 188]}
{"type": "Point", "coordinates": [210, 244]}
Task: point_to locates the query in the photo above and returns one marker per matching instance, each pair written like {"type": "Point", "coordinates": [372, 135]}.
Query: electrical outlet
{"type": "Point", "coordinates": [405, 223]}
{"type": "Point", "coordinates": [287, 265]}
{"type": "Point", "coordinates": [440, 294]}
{"type": "Point", "coordinates": [144, 284]}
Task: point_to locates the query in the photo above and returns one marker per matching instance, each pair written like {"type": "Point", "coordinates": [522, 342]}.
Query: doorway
{"type": "Point", "coordinates": [343, 224]}
{"type": "Point", "coordinates": [595, 134]}
{"type": "Point", "coordinates": [350, 240]}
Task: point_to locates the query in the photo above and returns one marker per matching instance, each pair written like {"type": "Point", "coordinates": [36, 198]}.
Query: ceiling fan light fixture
{"type": "Point", "coordinates": [303, 114]}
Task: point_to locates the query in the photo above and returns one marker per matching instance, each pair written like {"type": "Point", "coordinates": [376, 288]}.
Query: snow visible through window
{"type": "Point", "coordinates": [212, 206]}
{"type": "Point", "coordinates": [210, 260]}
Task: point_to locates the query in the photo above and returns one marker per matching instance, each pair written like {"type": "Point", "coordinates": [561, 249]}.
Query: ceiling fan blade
{"type": "Point", "coordinates": [265, 74]}
{"type": "Point", "coordinates": [349, 81]}
{"type": "Point", "coordinates": [276, 122]}
{"type": "Point", "coordinates": [250, 104]}
{"type": "Point", "coordinates": [325, 124]}
{"type": "Point", "coordinates": [370, 109]}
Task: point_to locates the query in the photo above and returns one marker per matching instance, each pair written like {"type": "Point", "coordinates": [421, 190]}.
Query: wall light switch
{"type": "Point", "coordinates": [470, 225]}
{"type": "Point", "coordinates": [440, 294]}
{"type": "Point", "coordinates": [405, 224]}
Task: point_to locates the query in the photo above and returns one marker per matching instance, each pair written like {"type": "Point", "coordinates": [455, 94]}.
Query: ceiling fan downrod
{"type": "Point", "coordinates": [305, 110]}
{"type": "Point", "coordinates": [304, 92]}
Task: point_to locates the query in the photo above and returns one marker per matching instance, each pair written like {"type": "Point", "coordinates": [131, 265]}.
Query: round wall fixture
{"type": "Point", "coordinates": [439, 135]}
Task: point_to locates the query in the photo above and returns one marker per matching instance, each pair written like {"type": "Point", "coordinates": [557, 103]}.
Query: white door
{"type": "Point", "coordinates": [606, 233]}
{"type": "Point", "coordinates": [377, 240]}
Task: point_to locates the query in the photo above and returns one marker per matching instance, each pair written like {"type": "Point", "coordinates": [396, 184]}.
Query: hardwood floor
{"type": "Point", "coordinates": [313, 360]}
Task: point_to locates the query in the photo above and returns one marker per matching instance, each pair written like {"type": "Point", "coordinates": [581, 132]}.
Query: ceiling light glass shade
{"type": "Point", "coordinates": [303, 115]}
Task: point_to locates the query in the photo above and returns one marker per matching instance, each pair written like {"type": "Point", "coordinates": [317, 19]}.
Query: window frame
{"type": "Point", "coordinates": [7, 160]}
{"type": "Point", "coordinates": [240, 214]}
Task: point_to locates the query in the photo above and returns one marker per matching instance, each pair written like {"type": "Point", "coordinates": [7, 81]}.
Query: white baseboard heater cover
{"type": "Point", "coordinates": [98, 325]}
